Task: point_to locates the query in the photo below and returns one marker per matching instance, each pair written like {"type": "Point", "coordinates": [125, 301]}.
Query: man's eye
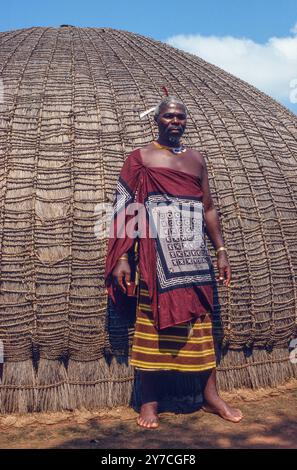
{"type": "Point", "coordinates": [171, 116]}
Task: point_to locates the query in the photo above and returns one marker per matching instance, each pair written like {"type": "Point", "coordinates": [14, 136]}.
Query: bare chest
{"type": "Point", "coordinates": [186, 162]}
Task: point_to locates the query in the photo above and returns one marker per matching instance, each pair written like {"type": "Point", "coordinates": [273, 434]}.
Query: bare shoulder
{"type": "Point", "coordinates": [146, 153]}
{"type": "Point", "coordinates": [195, 154]}
{"type": "Point", "coordinates": [146, 149]}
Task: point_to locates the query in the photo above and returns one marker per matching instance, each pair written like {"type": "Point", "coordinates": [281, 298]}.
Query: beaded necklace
{"type": "Point", "coordinates": [175, 150]}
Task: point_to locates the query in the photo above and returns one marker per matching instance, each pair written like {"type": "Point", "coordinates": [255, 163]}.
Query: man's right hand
{"type": "Point", "coordinates": [122, 273]}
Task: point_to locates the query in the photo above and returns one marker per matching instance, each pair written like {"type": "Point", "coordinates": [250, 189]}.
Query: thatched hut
{"type": "Point", "coordinates": [69, 115]}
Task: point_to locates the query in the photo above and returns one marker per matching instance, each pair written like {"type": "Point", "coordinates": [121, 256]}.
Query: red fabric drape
{"type": "Point", "coordinates": [136, 182]}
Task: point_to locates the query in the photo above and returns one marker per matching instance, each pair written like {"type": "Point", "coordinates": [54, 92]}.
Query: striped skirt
{"type": "Point", "coordinates": [187, 347]}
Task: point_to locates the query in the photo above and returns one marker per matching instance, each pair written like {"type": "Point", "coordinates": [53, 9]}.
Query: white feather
{"type": "Point", "coordinates": [144, 113]}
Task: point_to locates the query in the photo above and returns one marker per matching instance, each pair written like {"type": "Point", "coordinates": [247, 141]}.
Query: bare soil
{"type": "Point", "coordinates": [270, 421]}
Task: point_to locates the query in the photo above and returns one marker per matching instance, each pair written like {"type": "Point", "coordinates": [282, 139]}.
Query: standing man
{"type": "Point", "coordinates": [169, 185]}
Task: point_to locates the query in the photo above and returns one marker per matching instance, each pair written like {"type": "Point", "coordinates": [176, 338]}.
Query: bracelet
{"type": "Point", "coordinates": [222, 248]}
{"type": "Point", "coordinates": [123, 257]}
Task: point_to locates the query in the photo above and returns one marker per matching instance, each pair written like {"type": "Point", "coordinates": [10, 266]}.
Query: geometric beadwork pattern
{"type": "Point", "coordinates": [177, 225]}
{"type": "Point", "coordinates": [123, 197]}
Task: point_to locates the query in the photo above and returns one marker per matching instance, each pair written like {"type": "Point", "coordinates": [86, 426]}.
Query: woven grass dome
{"type": "Point", "coordinates": [69, 115]}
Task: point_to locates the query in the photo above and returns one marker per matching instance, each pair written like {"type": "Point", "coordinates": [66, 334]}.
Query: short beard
{"type": "Point", "coordinates": [174, 139]}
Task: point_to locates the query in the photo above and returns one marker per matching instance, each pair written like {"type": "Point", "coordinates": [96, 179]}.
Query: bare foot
{"type": "Point", "coordinates": [148, 417]}
{"type": "Point", "coordinates": [225, 411]}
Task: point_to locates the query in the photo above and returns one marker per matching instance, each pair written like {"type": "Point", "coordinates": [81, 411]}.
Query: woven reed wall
{"type": "Point", "coordinates": [69, 115]}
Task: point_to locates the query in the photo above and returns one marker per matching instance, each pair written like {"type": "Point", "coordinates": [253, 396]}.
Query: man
{"type": "Point", "coordinates": [175, 299]}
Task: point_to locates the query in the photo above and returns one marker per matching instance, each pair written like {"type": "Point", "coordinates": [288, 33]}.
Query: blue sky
{"type": "Point", "coordinates": [254, 39]}
{"type": "Point", "coordinates": [256, 19]}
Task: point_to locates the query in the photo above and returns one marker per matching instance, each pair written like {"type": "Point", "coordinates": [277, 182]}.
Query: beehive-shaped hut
{"type": "Point", "coordinates": [70, 100]}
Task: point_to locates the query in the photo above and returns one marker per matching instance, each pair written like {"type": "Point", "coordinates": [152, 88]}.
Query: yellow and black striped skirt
{"type": "Point", "coordinates": [187, 347]}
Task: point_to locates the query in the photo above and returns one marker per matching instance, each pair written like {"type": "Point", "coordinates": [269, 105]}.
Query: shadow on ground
{"type": "Point", "coordinates": [270, 422]}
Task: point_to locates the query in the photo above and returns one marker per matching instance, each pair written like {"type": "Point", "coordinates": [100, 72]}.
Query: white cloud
{"type": "Point", "coordinates": [271, 67]}
{"type": "Point", "coordinates": [294, 29]}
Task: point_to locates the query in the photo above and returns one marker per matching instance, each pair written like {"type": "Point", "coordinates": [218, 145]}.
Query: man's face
{"type": "Point", "coordinates": [172, 122]}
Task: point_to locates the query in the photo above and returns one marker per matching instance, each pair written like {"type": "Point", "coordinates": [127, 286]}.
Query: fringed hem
{"type": "Point", "coordinates": [53, 387]}
{"type": "Point", "coordinates": [257, 369]}
{"type": "Point", "coordinates": [98, 384]}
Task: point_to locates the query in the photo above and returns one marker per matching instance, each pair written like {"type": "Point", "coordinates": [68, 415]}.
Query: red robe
{"type": "Point", "coordinates": [175, 266]}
